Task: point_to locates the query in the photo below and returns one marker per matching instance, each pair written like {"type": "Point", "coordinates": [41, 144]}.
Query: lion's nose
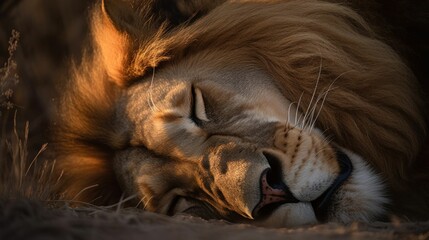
{"type": "Point", "coordinates": [274, 191]}
{"type": "Point", "coordinates": [272, 194]}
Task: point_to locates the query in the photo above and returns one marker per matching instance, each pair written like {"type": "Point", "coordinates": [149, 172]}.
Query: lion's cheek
{"type": "Point", "coordinates": [362, 197]}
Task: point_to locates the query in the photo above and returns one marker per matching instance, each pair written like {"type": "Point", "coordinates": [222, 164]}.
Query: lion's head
{"type": "Point", "coordinates": [273, 112]}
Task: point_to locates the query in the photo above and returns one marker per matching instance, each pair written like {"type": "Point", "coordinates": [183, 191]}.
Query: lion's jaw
{"type": "Point", "coordinates": [204, 136]}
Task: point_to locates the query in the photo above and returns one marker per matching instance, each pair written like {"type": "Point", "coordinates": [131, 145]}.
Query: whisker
{"type": "Point", "coordinates": [314, 91]}
{"type": "Point", "coordinates": [330, 88]}
{"type": "Point", "coordinates": [321, 149]}
{"type": "Point", "coordinates": [298, 120]}
{"type": "Point", "coordinates": [322, 97]}
{"type": "Point", "coordinates": [313, 110]}
{"type": "Point", "coordinates": [325, 131]}
{"type": "Point", "coordinates": [288, 112]}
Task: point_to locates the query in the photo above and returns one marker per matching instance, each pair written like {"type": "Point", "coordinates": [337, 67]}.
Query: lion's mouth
{"type": "Point", "coordinates": [322, 204]}
{"type": "Point", "coordinates": [275, 193]}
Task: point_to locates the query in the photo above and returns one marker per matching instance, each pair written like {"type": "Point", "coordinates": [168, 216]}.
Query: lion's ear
{"type": "Point", "coordinates": [129, 33]}
{"type": "Point", "coordinates": [112, 28]}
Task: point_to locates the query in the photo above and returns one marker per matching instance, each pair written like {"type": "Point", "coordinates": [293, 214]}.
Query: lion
{"type": "Point", "coordinates": [274, 113]}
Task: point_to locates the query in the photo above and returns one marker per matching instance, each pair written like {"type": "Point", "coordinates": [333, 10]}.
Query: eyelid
{"type": "Point", "coordinates": [199, 109]}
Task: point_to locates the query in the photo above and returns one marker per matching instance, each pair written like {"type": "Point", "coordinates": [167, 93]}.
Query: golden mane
{"type": "Point", "coordinates": [298, 42]}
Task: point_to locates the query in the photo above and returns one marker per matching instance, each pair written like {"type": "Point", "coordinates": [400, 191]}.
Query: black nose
{"type": "Point", "coordinates": [322, 204]}
{"type": "Point", "coordinates": [273, 191]}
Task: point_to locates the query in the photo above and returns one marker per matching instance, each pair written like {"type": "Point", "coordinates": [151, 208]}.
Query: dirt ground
{"type": "Point", "coordinates": [52, 34]}
{"type": "Point", "coordinates": [31, 220]}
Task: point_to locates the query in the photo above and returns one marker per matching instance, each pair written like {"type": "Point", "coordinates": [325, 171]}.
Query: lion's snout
{"type": "Point", "coordinates": [275, 192]}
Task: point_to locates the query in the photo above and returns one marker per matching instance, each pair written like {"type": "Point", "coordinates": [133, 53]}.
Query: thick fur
{"type": "Point", "coordinates": [374, 108]}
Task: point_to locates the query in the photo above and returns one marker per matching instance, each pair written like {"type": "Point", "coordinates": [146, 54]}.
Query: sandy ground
{"type": "Point", "coordinates": [51, 34]}
{"type": "Point", "coordinates": [21, 219]}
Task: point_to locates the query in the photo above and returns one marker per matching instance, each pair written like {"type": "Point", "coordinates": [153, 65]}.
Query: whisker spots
{"type": "Point", "coordinates": [295, 153]}
{"type": "Point", "coordinates": [299, 141]}
{"type": "Point", "coordinates": [299, 170]}
{"type": "Point", "coordinates": [281, 139]}
{"type": "Point", "coordinates": [286, 135]}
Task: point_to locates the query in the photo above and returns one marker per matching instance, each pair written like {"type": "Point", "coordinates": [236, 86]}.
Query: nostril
{"type": "Point", "coordinates": [274, 176]}
{"type": "Point", "coordinates": [274, 191]}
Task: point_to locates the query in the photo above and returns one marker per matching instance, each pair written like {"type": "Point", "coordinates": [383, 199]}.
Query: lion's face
{"type": "Point", "coordinates": [249, 111]}
{"type": "Point", "coordinates": [223, 142]}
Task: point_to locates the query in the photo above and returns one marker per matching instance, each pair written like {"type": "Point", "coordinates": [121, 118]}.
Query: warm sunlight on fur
{"type": "Point", "coordinates": [277, 113]}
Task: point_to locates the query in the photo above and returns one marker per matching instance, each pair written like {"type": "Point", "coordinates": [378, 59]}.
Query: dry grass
{"type": "Point", "coordinates": [9, 75]}
{"type": "Point", "coordinates": [18, 171]}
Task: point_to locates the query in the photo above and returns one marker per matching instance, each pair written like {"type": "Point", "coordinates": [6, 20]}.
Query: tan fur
{"type": "Point", "coordinates": [372, 108]}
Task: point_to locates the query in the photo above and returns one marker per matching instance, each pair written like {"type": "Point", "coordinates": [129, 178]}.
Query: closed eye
{"type": "Point", "coordinates": [198, 110]}
{"type": "Point", "coordinates": [189, 206]}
